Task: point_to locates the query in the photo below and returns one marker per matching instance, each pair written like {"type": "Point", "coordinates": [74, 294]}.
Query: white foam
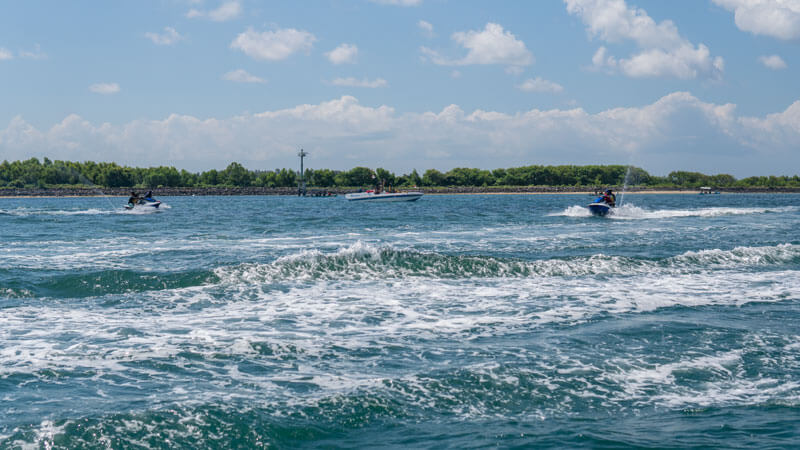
{"type": "Point", "coordinates": [342, 313]}
{"type": "Point", "coordinates": [724, 385]}
{"type": "Point", "coordinates": [27, 212]}
{"type": "Point", "coordinates": [573, 211]}
{"type": "Point", "coordinates": [629, 211]}
{"type": "Point", "coordinates": [365, 261]}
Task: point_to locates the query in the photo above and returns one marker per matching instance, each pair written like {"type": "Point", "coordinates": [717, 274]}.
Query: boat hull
{"type": "Point", "coordinates": [146, 205]}
{"type": "Point", "coordinates": [599, 209]}
{"type": "Point", "coordinates": [385, 197]}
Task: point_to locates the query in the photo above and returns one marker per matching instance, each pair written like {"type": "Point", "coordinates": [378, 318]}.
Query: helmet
{"type": "Point", "coordinates": [608, 191]}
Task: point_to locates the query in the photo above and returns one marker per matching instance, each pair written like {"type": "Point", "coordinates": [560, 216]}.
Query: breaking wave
{"type": "Point", "coordinates": [362, 261]}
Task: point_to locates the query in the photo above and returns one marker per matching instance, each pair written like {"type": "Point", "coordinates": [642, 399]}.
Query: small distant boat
{"type": "Point", "coordinates": [318, 194]}
{"type": "Point", "coordinates": [144, 204]}
{"type": "Point", "coordinates": [372, 196]}
{"type": "Point", "coordinates": [598, 207]}
{"type": "Point", "coordinates": [705, 190]}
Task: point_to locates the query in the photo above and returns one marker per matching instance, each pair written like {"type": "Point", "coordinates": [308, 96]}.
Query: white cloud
{"type": "Point", "coordinates": [169, 37]}
{"type": "Point", "coordinates": [398, 2]}
{"type": "Point", "coordinates": [242, 76]}
{"type": "Point", "coordinates": [345, 53]}
{"type": "Point", "coordinates": [773, 62]}
{"type": "Point", "coordinates": [492, 45]}
{"type": "Point", "coordinates": [658, 136]}
{"type": "Point", "coordinates": [663, 52]}
{"type": "Point", "coordinates": [602, 59]}
{"type": "Point", "coordinates": [36, 53]}
{"type": "Point", "coordinates": [540, 85]}
{"type": "Point", "coordinates": [227, 11]}
{"type": "Point", "coordinates": [776, 18]}
{"type": "Point", "coordinates": [104, 88]}
{"type": "Point", "coordinates": [365, 83]}
{"type": "Point", "coordinates": [426, 27]}
{"type": "Point", "coordinates": [273, 45]}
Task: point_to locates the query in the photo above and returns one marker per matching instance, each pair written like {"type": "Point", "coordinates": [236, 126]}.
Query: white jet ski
{"type": "Point", "coordinates": [144, 203]}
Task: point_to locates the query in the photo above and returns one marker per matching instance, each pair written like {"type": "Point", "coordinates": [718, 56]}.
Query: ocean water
{"type": "Point", "coordinates": [452, 322]}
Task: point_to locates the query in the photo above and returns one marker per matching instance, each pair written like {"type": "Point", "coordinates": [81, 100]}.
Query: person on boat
{"type": "Point", "coordinates": [134, 198]}
{"type": "Point", "coordinates": [149, 196]}
{"type": "Point", "coordinates": [610, 198]}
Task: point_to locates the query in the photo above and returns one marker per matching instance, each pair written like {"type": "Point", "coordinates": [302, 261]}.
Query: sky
{"type": "Point", "coordinates": [699, 85]}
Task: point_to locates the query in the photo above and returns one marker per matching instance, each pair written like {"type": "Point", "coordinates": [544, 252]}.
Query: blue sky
{"type": "Point", "coordinates": [707, 85]}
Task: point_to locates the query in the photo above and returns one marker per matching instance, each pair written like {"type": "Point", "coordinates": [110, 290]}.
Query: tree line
{"type": "Point", "coordinates": [33, 173]}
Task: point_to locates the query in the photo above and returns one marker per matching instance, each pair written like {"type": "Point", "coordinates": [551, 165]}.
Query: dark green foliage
{"type": "Point", "coordinates": [357, 176]}
{"type": "Point", "coordinates": [33, 173]}
{"type": "Point", "coordinates": [468, 177]}
{"type": "Point", "coordinates": [413, 179]}
{"type": "Point", "coordinates": [322, 178]}
{"type": "Point", "coordinates": [385, 177]}
{"type": "Point", "coordinates": [433, 177]}
{"type": "Point", "coordinates": [209, 178]}
{"type": "Point", "coordinates": [236, 175]}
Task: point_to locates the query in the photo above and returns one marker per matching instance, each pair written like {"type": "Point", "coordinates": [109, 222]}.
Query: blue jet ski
{"type": "Point", "coordinates": [599, 207]}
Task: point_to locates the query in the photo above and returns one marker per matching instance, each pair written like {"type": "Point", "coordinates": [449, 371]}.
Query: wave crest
{"type": "Point", "coordinates": [362, 261]}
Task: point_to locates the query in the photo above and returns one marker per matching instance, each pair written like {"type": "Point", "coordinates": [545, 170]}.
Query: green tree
{"type": "Point", "coordinates": [188, 179]}
{"type": "Point", "coordinates": [210, 178]}
{"type": "Point", "coordinates": [385, 177]}
{"type": "Point", "coordinates": [413, 179]}
{"type": "Point", "coordinates": [266, 179]}
{"type": "Point", "coordinates": [433, 177]}
{"type": "Point", "coordinates": [357, 176]}
{"type": "Point", "coordinates": [324, 178]}
{"type": "Point", "coordinates": [286, 178]}
{"type": "Point", "coordinates": [115, 176]}
{"type": "Point", "coordinates": [236, 175]}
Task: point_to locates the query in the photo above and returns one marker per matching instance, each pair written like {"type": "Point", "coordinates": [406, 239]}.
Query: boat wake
{"type": "Point", "coordinates": [632, 212]}
{"type": "Point", "coordinates": [362, 262]}
{"type": "Point", "coordinates": [27, 212]}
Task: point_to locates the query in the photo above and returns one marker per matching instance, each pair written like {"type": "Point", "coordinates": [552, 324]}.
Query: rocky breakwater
{"type": "Point", "coordinates": [158, 192]}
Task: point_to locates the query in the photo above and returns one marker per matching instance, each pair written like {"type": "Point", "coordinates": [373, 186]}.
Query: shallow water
{"type": "Point", "coordinates": [453, 321]}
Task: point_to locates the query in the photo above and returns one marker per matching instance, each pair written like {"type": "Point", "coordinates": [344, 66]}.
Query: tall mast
{"type": "Point", "coordinates": [301, 187]}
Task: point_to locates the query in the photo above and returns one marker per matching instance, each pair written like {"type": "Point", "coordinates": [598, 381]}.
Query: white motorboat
{"type": "Point", "coordinates": [372, 196]}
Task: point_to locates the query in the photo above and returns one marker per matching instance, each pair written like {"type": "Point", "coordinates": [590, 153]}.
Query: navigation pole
{"type": "Point", "coordinates": [301, 185]}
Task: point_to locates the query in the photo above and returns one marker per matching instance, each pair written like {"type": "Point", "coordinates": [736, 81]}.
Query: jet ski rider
{"type": "Point", "coordinates": [610, 198]}
{"type": "Point", "coordinates": [134, 198]}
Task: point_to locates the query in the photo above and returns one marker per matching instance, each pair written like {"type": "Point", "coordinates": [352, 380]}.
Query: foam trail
{"type": "Point", "coordinates": [630, 211]}
{"type": "Point", "coordinates": [28, 212]}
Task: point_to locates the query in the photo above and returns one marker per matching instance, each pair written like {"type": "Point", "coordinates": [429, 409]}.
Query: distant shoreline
{"type": "Point", "coordinates": [231, 191]}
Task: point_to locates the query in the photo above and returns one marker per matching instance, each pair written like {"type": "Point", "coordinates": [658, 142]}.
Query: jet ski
{"type": "Point", "coordinates": [599, 207]}
{"type": "Point", "coordinates": [144, 203]}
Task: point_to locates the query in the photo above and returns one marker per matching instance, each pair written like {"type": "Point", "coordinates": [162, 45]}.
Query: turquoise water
{"type": "Point", "coordinates": [451, 322]}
